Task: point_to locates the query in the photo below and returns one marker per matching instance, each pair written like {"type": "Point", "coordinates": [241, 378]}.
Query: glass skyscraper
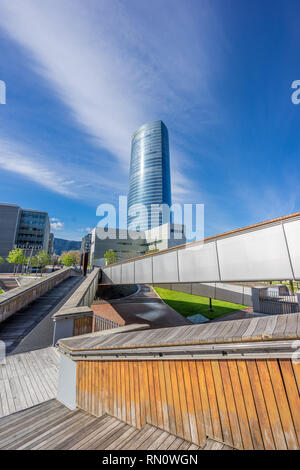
{"type": "Point", "coordinates": [149, 180]}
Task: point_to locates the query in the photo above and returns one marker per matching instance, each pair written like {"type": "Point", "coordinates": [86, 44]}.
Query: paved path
{"type": "Point", "coordinates": [240, 315]}
{"type": "Point", "coordinates": [143, 307]}
{"type": "Point", "coordinates": [28, 379]}
{"type": "Point", "coordinates": [16, 328]}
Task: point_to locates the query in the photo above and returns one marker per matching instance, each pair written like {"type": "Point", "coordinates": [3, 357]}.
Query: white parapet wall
{"type": "Point", "coordinates": [77, 306]}
{"type": "Point", "coordinates": [266, 251]}
{"type": "Point", "coordinates": [15, 299]}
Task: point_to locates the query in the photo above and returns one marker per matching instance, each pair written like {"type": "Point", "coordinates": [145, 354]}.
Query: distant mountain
{"type": "Point", "coordinates": [61, 245]}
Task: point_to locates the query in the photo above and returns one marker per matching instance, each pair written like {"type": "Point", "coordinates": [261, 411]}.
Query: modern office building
{"type": "Point", "coordinates": [130, 244]}
{"type": "Point", "coordinates": [149, 180]}
{"type": "Point", "coordinates": [86, 243]}
{"type": "Point", "coordinates": [125, 245]}
{"type": "Point", "coordinates": [9, 216]}
{"type": "Point", "coordinates": [22, 228]}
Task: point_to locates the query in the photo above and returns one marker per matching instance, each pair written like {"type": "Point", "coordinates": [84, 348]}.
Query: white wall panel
{"type": "Point", "coordinates": [128, 273]}
{"type": "Point", "coordinates": [116, 274]}
{"type": "Point", "coordinates": [198, 263]}
{"type": "Point", "coordinates": [165, 267]}
{"type": "Point", "coordinates": [143, 271]}
{"type": "Point", "coordinates": [292, 231]}
{"type": "Point", "coordinates": [261, 254]}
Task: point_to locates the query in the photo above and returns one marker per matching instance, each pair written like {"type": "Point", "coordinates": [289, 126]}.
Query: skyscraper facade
{"type": "Point", "coordinates": [149, 180]}
{"type": "Point", "coordinates": [22, 228]}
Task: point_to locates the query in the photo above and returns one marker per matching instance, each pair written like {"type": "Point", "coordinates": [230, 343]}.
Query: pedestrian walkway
{"type": "Point", "coordinates": [21, 323]}
{"type": "Point", "coordinates": [28, 379]}
{"type": "Point", "coordinates": [145, 306]}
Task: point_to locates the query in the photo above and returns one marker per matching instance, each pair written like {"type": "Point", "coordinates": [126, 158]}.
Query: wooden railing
{"type": "Point", "coordinates": [247, 404]}
{"type": "Point", "coordinates": [236, 382]}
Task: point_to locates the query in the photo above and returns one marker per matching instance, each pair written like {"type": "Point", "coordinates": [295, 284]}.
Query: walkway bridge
{"type": "Point", "coordinates": [266, 251]}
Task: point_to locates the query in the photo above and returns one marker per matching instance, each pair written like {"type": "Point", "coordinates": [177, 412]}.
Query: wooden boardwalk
{"type": "Point", "coordinates": [21, 323]}
{"type": "Point", "coordinates": [28, 379]}
{"type": "Point", "coordinates": [52, 426]}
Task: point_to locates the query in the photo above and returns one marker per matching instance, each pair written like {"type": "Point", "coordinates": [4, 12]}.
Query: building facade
{"type": "Point", "coordinates": [86, 244]}
{"type": "Point", "coordinates": [149, 179]}
{"type": "Point", "coordinates": [22, 228]}
{"type": "Point", "coordinates": [130, 244]}
{"type": "Point", "coordinates": [9, 216]}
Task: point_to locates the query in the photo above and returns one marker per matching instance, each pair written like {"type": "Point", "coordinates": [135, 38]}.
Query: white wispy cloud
{"type": "Point", "coordinates": [85, 229]}
{"type": "Point", "coordinates": [56, 226]}
{"type": "Point", "coordinates": [16, 159]}
{"type": "Point", "coordinates": [108, 66]}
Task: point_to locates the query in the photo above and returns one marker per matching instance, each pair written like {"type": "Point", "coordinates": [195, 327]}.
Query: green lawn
{"type": "Point", "coordinates": [187, 304]}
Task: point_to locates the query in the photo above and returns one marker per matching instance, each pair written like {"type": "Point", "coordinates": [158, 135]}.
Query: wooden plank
{"type": "Point", "coordinates": [261, 408]}
{"type": "Point", "coordinates": [278, 332]}
{"type": "Point", "coordinates": [123, 396]}
{"type": "Point", "coordinates": [158, 400]}
{"type": "Point", "coordinates": [127, 393]}
{"type": "Point", "coordinates": [292, 393]}
{"type": "Point", "coordinates": [110, 436]}
{"type": "Point", "coordinates": [152, 397]}
{"type": "Point", "coordinates": [31, 432]}
{"type": "Point", "coordinates": [139, 424]}
{"type": "Point", "coordinates": [183, 404]}
{"type": "Point", "coordinates": [132, 395]}
{"type": "Point", "coordinates": [107, 440]}
{"type": "Point", "coordinates": [178, 413]}
{"type": "Point", "coordinates": [102, 422]}
{"type": "Point", "coordinates": [283, 405]}
{"type": "Point", "coordinates": [94, 439]}
{"type": "Point", "coordinates": [204, 398]}
{"type": "Point", "coordinates": [78, 435]}
{"type": "Point", "coordinates": [163, 394]}
{"type": "Point", "coordinates": [191, 410]}
{"type": "Point", "coordinates": [45, 435]}
{"type": "Point", "coordinates": [166, 445]}
{"type": "Point", "coordinates": [250, 405]}
{"type": "Point", "coordinates": [271, 404]}
{"type": "Point", "coordinates": [231, 405]}
{"type": "Point", "coordinates": [142, 436]}
{"type": "Point", "coordinates": [119, 391]}
{"type": "Point", "coordinates": [222, 405]}
{"type": "Point", "coordinates": [197, 403]}
{"type": "Point", "coordinates": [142, 393]}
{"type": "Point", "coordinates": [213, 403]}
{"type": "Point", "coordinates": [122, 439]}
{"type": "Point", "coordinates": [159, 440]}
{"type": "Point", "coordinates": [145, 385]}
{"type": "Point", "coordinates": [147, 444]}
{"type": "Point", "coordinates": [169, 395]}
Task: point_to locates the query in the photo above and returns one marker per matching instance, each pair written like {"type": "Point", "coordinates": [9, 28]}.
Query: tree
{"type": "Point", "coordinates": [54, 261]}
{"type": "Point", "coordinates": [67, 259]}
{"type": "Point", "coordinates": [42, 259]}
{"type": "Point", "coordinates": [110, 257]}
{"type": "Point", "coordinates": [16, 257]}
{"type": "Point", "coordinates": [74, 254]}
{"type": "Point", "coordinates": [1, 260]}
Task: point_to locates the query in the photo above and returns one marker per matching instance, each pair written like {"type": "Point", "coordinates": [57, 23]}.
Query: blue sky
{"type": "Point", "coordinates": [82, 76]}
